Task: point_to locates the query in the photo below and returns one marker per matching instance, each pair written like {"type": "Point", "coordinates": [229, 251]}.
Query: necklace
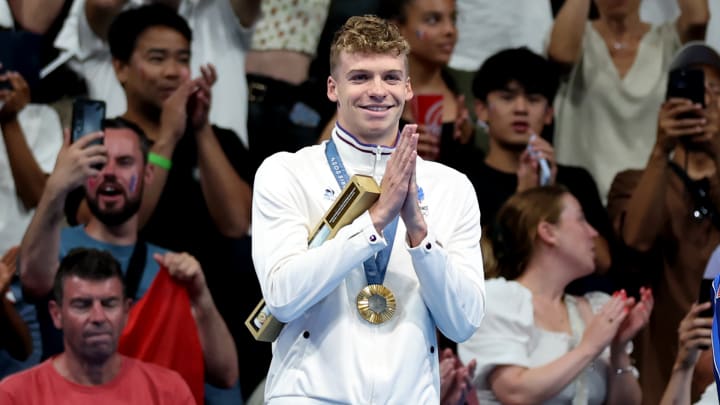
{"type": "Point", "coordinates": [618, 46]}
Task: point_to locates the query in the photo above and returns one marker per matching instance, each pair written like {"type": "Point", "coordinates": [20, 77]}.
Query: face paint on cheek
{"type": "Point", "coordinates": [420, 34]}
{"type": "Point", "coordinates": [142, 73]}
{"type": "Point", "coordinates": [92, 182]}
{"type": "Point", "coordinates": [133, 183]}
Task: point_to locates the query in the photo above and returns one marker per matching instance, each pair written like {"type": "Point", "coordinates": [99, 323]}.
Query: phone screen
{"type": "Point", "coordinates": [87, 117]}
{"type": "Point", "coordinates": [688, 84]}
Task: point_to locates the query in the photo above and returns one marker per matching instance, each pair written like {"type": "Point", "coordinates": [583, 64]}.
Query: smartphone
{"type": "Point", "coordinates": [87, 117]}
{"type": "Point", "coordinates": [688, 84]}
{"type": "Point", "coordinates": [20, 52]}
{"type": "Point", "coordinates": [712, 270]}
{"type": "Point", "coordinates": [705, 295]}
{"type": "Point", "coordinates": [4, 84]}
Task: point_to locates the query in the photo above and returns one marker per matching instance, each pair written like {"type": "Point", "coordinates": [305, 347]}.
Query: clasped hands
{"type": "Point", "coordinates": [399, 191]}
{"type": "Point", "coordinates": [191, 99]}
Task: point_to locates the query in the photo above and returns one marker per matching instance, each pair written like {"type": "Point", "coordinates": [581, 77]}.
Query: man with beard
{"type": "Point", "coordinates": [199, 199]}
{"type": "Point", "coordinates": [91, 308]}
{"type": "Point", "coordinates": [114, 191]}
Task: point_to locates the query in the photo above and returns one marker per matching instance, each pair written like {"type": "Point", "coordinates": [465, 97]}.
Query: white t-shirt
{"type": "Point", "coordinates": [43, 133]}
{"type": "Point", "coordinates": [487, 26]}
{"type": "Point", "coordinates": [509, 336]}
{"type": "Point", "coordinates": [218, 38]}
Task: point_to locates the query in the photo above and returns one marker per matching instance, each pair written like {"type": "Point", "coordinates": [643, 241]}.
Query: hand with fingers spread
{"type": "Point", "coordinates": [396, 180]}
{"type": "Point", "coordinates": [186, 270]}
{"type": "Point", "coordinates": [76, 162]}
{"type": "Point", "coordinates": [638, 316]}
{"type": "Point", "coordinates": [13, 100]}
{"type": "Point", "coordinates": [603, 326]}
{"type": "Point", "coordinates": [694, 334]}
{"type": "Point", "coordinates": [529, 168]}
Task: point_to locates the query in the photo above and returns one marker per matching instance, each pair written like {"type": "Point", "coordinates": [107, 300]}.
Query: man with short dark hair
{"type": "Point", "coordinates": [514, 91]}
{"type": "Point", "coordinates": [199, 200]}
{"type": "Point", "coordinates": [114, 191]}
{"type": "Point", "coordinates": [91, 308]}
{"type": "Point", "coordinates": [200, 196]}
{"type": "Point", "coordinates": [223, 35]}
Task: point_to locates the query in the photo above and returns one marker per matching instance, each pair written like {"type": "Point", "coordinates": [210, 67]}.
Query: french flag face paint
{"type": "Point", "coordinates": [133, 183]}
{"type": "Point", "coordinates": [420, 34]}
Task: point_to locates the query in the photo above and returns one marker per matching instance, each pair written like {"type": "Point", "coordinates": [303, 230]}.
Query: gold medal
{"type": "Point", "coordinates": [376, 303]}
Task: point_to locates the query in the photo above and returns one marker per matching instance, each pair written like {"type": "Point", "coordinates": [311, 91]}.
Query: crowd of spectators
{"type": "Point", "coordinates": [599, 195]}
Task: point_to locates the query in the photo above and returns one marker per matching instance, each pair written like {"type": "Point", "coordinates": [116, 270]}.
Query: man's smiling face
{"type": "Point", "coordinates": [370, 91]}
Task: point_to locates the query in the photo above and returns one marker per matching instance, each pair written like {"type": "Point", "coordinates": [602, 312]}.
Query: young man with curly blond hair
{"type": "Point", "coordinates": [413, 257]}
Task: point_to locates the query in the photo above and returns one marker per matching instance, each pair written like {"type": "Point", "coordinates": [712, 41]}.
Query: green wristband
{"type": "Point", "coordinates": [159, 161]}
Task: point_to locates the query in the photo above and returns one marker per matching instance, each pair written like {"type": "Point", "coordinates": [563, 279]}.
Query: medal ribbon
{"type": "Point", "coordinates": [374, 268]}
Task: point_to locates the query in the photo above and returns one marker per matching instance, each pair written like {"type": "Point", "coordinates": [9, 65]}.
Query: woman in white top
{"type": "Point", "coordinates": [537, 344]}
{"type": "Point", "coordinates": [606, 107]}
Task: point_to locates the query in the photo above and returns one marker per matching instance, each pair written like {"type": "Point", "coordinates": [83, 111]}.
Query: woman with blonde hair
{"type": "Point", "coordinates": [538, 344]}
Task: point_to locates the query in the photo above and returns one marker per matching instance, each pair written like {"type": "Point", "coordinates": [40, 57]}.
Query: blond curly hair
{"type": "Point", "coordinates": [367, 34]}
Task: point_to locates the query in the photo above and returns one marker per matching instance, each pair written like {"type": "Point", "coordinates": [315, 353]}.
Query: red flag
{"type": "Point", "coordinates": [161, 330]}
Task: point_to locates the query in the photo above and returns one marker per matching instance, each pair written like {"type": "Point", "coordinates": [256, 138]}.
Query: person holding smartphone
{"type": "Point", "coordinates": [666, 216]}
{"type": "Point", "coordinates": [694, 335]}
{"type": "Point", "coordinates": [614, 78]}
{"type": "Point", "coordinates": [114, 175]}
{"type": "Point", "coordinates": [199, 200]}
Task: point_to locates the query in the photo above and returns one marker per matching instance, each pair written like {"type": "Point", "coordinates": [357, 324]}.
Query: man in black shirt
{"type": "Point", "coordinates": [514, 91]}
{"type": "Point", "coordinates": [199, 200]}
